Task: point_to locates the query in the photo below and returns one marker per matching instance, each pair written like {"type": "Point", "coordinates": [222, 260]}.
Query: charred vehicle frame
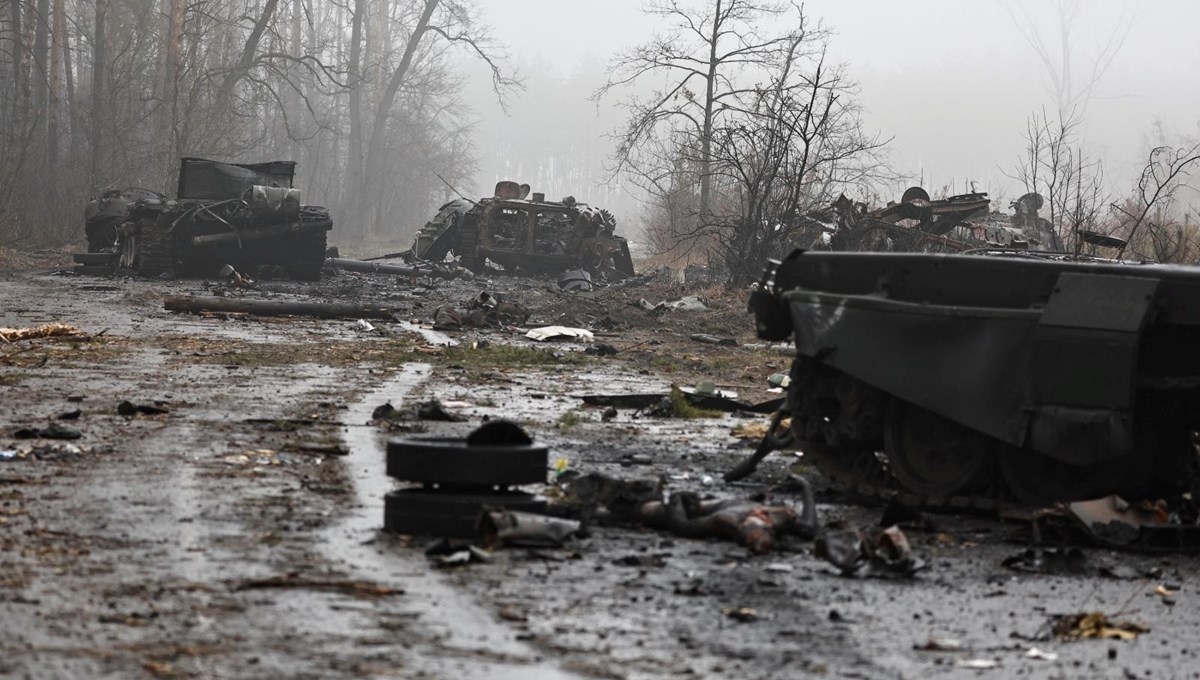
{"type": "Point", "coordinates": [244, 215]}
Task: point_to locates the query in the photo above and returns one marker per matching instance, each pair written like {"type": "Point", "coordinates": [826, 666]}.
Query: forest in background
{"type": "Point", "coordinates": [720, 133]}
{"type": "Point", "coordinates": [362, 94]}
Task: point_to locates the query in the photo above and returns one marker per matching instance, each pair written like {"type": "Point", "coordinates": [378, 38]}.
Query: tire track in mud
{"type": "Point", "coordinates": [458, 636]}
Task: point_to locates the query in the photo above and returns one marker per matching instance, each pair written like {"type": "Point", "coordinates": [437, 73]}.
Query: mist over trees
{"type": "Point", "coordinates": [721, 134]}
{"type": "Point", "coordinates": [361, 93]}
{"type": "Point", "coordinates": [751, 127]}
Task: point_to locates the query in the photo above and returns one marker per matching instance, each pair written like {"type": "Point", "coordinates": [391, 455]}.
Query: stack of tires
{"type": "Point", "coordinates": [458, 478]}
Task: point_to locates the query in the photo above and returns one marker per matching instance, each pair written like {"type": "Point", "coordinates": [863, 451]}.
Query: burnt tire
{"type": "Point", "coordinates": [155, 248]}
{"type": "Point", "coordinates": [454, 515]}
{"type": "Point", "coordinates": [453, 462]}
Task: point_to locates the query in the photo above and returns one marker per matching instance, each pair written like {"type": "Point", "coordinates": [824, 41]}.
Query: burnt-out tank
{"type": "Point", "coordinates": [1020, 377]}
{"type": "Point", "coordinates": [526, 232]}
{"type": "Point", "coordinates": [245, 215]}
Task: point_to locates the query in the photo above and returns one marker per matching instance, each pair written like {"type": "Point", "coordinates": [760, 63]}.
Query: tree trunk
{"type": "Point", "coordinates": [354, 156]}
{"type": "Point", "coordinates": [99, 84]}
{"type": "Point", "coordinates": [173, 13]}
{"type": "Point", "coordinates": [706, 129]}
{"type": "Point", "coordinates": [375, 149]}
{"type": "Point", "coordinates": [18, 61]}
{"type": "Point", "coordinates": [54, 80]}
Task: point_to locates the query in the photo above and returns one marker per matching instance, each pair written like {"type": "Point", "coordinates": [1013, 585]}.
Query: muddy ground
{"type": "Point", "coordinates": [238, 534]}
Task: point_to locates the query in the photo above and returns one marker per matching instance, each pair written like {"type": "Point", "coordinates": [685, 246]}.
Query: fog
{"type": "Point", "coordinates": [951, 83]}
{"type": "Point", "coordinates": [391, 107]}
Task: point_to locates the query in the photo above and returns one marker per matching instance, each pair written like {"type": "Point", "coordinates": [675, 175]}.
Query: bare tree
{"type": "Point", "coordinates": [1071, 79]}
{"type": "Point", "coordinates": [707, 53]}
{"type": "Point", "coordinates": [1166, 170]}
{"type": "Point", "coordinates": [782, 147]}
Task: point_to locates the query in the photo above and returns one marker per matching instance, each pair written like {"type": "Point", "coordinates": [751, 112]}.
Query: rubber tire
{"type": "Point", "coordinates": [450, 461]}
{"type": "Point", "coordinates": [453, 515]}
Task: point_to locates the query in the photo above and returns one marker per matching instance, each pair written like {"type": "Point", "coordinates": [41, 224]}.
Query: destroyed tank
{"type": "Point", "coordinates": [968, 379]}
{"type": "Point", "coordinates": [530, 234]}
{"type": "Point", "coordinates": [951, 225]}
{"type": "Point", "coordinates": [247, 216]}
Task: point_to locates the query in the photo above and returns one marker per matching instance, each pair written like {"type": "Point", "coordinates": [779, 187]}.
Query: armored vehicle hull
{"type": "Point", "coordinates": [1014, 378]}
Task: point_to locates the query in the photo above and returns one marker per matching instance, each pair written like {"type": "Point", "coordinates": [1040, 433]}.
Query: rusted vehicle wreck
{"type": "Point", "coordinates": [529, 233]}
{"type": "Point", "coordinates": [955, 378]}
{"type": "Point", "coordinates": [247, 216]}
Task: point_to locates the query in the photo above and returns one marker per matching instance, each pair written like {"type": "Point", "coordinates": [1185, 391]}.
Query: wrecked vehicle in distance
{"type": "Point", "coordinates": [1018, 377]}
{"type": "Point", "coordinates": [534, 235]}
{"type": "Point", "coordinates": [244, 215]}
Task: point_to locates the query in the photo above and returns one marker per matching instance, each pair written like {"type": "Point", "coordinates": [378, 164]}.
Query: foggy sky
{"type": "Point", "coordinates": [951, 82]}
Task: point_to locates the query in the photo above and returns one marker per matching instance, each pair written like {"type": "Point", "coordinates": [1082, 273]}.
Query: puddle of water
{"type": "Point", "coordinates": [455, 618]}
{"type": "Point", "coordinates": [431, 336]}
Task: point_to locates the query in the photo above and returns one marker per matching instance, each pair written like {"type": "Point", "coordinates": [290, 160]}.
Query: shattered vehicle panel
{"type": "Point", "coordinates": [536, 235]}
{"type": "Point", "coordinates": [1072, 379]}
{"type": "Point", "coordinates": [245, 216]}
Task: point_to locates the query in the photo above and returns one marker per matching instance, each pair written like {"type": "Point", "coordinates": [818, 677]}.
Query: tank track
{"type": "Point", "coordinates": [864, 474]}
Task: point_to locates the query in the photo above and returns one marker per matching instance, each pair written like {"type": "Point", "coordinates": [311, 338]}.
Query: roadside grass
{"type": "Point", "coordinates": [495, 356]}
{"type": "Point", "coordinates": [383, 352]}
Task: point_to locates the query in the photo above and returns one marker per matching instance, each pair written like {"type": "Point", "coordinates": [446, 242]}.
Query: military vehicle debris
{"type": "Point", "coordinates": [920, 224]}
{"type": "Point", "coordinates": [246, 216]}
{"type": "Point", "coordinates": [530, 234]}
{"type": "Point", "coordinates": [974, 380]}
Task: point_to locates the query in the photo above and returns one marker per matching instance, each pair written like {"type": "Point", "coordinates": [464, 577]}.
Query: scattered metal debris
{"type": "Point", "coordinates": [855, 553]}
{"type": "Point", "coordinates": [507, 527]}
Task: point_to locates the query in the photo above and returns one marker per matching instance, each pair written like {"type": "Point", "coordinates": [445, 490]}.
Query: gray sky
{"type": "Point", "coordinates": [952, 81]}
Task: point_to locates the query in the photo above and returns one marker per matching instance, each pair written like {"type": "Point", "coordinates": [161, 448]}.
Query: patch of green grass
{"type": "Point", "coordinates": [570, 419]}
{"type": "Point", "coordinates": [386, 352]}
{"type": "Point", "coordinates": [11, 379]}
{"type": "Point", "coordinates": [507, 356]}
{"type": "Point", "coordinates": [682, 408]}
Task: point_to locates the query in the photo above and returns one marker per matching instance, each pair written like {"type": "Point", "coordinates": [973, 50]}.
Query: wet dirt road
{"type": "Point", "coordinates": [236, 535]}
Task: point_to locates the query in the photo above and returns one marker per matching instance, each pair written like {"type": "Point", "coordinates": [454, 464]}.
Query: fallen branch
{"type": "Point", "coordinates": [321, 310]}
{"type": "Point", "coordinates": [294, 581]}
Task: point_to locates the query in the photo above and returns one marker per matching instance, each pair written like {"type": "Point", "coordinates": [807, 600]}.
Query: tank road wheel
{"type": "Point", "coordinates": [1036, 479]}
{"type": "Point", "coordinates": [931, 455]}
{"type": "Point", "coordinates": [155, 248]}
{"type": "Point", "coordinates": [852, 469]}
